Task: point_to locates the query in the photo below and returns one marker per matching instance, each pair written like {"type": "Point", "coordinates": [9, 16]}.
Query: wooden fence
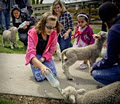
{"type": "Point", "coordinates": [39, 9]}
{"type": "Point", "coordinates": [89, 9]}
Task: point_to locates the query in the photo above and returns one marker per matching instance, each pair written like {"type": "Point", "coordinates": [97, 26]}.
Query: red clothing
{"type": "Point", "coordinates": [32, 43]}
{"type": "Point", "coordinates": [86, 35]}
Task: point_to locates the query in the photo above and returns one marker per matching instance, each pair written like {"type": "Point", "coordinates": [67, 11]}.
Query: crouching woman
{"type": "Point", "coordinates": [107, 70]}
{"type": "Point", "coordinates": [18, 18]}
{"type": "Point", "coordinates": [42, 41]}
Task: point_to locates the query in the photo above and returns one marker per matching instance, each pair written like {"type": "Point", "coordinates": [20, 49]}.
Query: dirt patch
{"type": "Point", "coordinates": [31, 99]}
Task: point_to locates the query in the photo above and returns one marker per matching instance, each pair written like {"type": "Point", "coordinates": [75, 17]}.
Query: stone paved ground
{"type": "Point", "coordinates": [16, 78]}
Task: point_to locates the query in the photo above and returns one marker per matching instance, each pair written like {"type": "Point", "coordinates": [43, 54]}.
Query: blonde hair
{"type": "Point", "coordinates": [40, 26]}
{"type": "Point", "coordinates": [57, 2]}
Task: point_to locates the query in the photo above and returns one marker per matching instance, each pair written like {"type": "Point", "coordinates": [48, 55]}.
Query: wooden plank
{"type": "Point", "coordinates": [39, 9]}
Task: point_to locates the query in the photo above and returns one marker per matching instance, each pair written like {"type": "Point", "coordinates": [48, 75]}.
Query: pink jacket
{"type": "Point", "coordinates": [86, 35]}
{"type": "Point", "coordinates": [32, 43]}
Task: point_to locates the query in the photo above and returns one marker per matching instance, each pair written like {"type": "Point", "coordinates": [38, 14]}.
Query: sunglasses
{"type": "Point", "coordinates": [50, 28]}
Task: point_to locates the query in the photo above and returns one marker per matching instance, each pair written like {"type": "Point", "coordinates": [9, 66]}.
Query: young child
{"type": "Point", "coordinates": [83, 35]}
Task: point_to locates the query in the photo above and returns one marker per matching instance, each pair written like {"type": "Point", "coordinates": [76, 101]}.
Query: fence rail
{"type": "Point", "coordinates": [91, 10]}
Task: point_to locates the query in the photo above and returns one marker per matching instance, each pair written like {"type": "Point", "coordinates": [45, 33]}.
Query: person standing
{"type": "Point", "coordinates": [107, 70]}
{"type": "Point", "coordinates": [42, 41]}
{"type": "Point", "coordinates": [5, 14]}
{"type": "Point", "coordinates": [0, 20]}
{"type": "Point", "coordinates": [25, 6]}
{"type": "Point", "coordinates": [64, 17]}
{"type": "Point", "coordinates": [83, 34]}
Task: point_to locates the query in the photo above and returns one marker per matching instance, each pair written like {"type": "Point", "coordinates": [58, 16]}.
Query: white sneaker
{"type": "Point", "coordinates": [83, 66]}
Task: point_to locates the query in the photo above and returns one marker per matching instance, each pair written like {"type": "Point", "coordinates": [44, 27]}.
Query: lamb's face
{"type": "Point", "coordinates": [69, 94]}
{"type": "Point", "coordinates": [101, 35]}
{"type": "Point", "coordinates": [14, 30]}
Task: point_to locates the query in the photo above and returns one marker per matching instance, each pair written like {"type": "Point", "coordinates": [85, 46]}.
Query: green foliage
{"type": "Point", "coordinates": [22, 48]}
{"type": "Point", "coordinates": [7, 49]}
{"type": "Point", "coordinates": [96, 30]}
{"type": "Point", "coordinates": [3, 101]}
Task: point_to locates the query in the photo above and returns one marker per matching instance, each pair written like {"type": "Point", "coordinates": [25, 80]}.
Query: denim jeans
{"type": "Point", "coordinates": [0, 22]}
{"type": "Point", "coordinates": [37, 72]}
{"type": "Point", "coordinates": [5, 19]}
{"type": "Point", "coordinates": [23, 37]}
{"type": "Point", "coordinates": [107, 76]}
{"type": "Point", "coordinates": [64, 43]}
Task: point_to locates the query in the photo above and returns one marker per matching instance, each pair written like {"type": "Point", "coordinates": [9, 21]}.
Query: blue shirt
{"type": "Point", "coordinates": [113, 48]}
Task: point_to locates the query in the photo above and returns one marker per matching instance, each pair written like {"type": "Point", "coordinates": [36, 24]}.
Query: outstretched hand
{"type": "Point", "coordinates": [90, 71]}
{"type": "Point", "coordinates": [43, 68]}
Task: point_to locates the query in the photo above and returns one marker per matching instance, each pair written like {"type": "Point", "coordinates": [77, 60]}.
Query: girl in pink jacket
{"type": "Point", "coordinates": [42, 41]}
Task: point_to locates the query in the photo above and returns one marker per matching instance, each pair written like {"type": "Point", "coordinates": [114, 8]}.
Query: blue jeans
{"type": "Point", "coordinates": [107, 76]}
{"type": "Point", "coordinates": [5, 19]}
{"type": "Point", "coordinates": [64, 43]}
{"type": "Point", "coordinates": [23, 37]}
{"type": "Point", "coordinates": [37, 71]}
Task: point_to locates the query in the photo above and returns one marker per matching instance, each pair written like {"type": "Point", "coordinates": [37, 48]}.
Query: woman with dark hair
{"type": "Point", "coordinates": [18, 18]}
{"type": "Point", "coordinates": [107, 70]}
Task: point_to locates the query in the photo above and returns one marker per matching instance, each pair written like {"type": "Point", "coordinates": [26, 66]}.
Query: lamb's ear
{"type": "Point", "coordinates": [72, 99]}
{"type": "Point", "coordinates": [81, 91]}
{"type": "Point", "coordinates": [96, 36]}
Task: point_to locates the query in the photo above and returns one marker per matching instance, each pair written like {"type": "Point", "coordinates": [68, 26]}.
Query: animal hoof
{"type": "Point", "coordinates": [12, 48]}
{"type": "Point", "coordinates": [70, 78]}
{"type": "Point", "coordinates": [59, 59]}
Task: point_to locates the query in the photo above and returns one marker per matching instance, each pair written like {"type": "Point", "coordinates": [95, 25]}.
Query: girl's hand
{"type": "Point", "coordinates": [66, 35]}
{"type": "Point", "coordinates": [26, 25]}
{"type": "Point", "coordinates": [72, 37]}
{"type": "Point", "coordinates": [105, 44]}
{"type": "Point", "coordinates": [90, 71]}
{"type": "Point", "coordinates": [43, 69]}
{"type": "Point", "coordinates": [42, 59]}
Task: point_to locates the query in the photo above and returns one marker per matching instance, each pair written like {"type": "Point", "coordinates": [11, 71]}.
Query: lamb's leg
{"type": "Point", "coordinates": [58, 54]}
{"type": "Point", "coordinates": [92, 61]}
{"type": "Point", "coordinates": [3, 42]}
{"type": "Point", "coordinates": [16, 44]}
{"type": "Point", "coordinates": [58, 51]}
{"type": "Point", "coordinates": [66, 65]}
{"type": "Point", "coordinates": [11, 45]}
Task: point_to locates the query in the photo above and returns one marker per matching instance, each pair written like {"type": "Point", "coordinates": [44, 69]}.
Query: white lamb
{"type": "Point", "coordinates": [10, 36]}
{"type": "Point", "coordinates": [109, 94]}
{"type": "Point", "coordinates": [90, 53]}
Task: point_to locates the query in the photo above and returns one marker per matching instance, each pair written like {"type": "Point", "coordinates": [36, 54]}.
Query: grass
{"type": "Point", "coordinates": [7, 49]}
{"type": "Point", "coordinates": [96, 30]}
{"type": "Point", "coordinates": [4, 101]}
{"type": "Point", "coordinates": [22, 49]}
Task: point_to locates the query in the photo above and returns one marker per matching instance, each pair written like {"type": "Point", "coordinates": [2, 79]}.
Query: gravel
{"type": "Point", "coordinates": [31, 99]}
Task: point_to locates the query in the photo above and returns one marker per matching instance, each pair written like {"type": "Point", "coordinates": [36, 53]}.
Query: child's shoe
{"type": "Point", "coordinates": [83, 66]}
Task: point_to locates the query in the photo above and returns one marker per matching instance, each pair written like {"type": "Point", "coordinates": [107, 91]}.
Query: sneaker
{"type": "Point", "coordinates": [83, 66]}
